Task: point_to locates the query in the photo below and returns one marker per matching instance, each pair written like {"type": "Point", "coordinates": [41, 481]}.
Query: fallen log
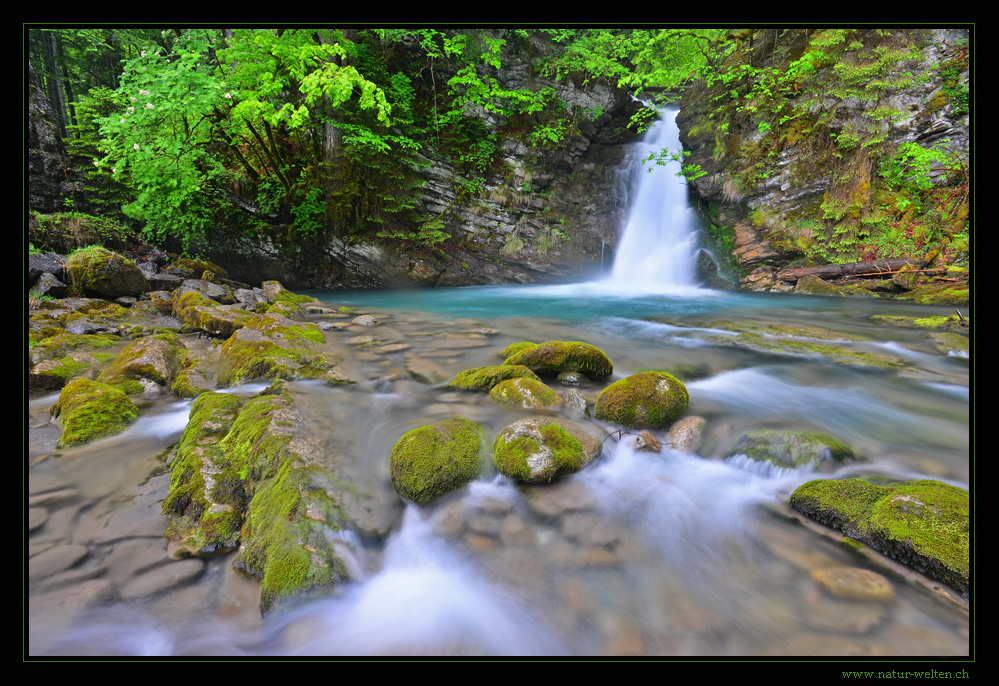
{"type": "Point", "coordinates": [832, 271]}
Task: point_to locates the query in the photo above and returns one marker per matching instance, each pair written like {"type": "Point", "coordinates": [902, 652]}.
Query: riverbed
{"type": "Point", "coordinates": [640, 554]}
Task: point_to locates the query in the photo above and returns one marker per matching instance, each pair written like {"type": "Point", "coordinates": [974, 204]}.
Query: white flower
{"type": "Point", "coordinates": [142, 92]}
{"type": "Point", "coordinates": [142, 54]}
{"type": "Point", "coordinates": [131, 110]}
{"type": "Point", "coordinates": [132, 99]}
{"type": "Point", "coordinates": [228, 96]}
{"type": "Point", "coordinates": [122, 121]}
{"type": "Point", "coordinates": [135, 146]}
{"type": "Point", "coordinates": [150, 106]}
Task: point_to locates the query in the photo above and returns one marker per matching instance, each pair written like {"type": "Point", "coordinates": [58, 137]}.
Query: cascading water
{"type": "Point", "coordinates": [657, 251]}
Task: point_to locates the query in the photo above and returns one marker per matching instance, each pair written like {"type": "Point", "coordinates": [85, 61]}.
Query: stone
{"type": "Point", "coordinates": [432, 460]}
{"type": "Point", "coordinates": [539, 450]}
{"type": "Point", "coordinates": [647, 400]}
{"type": "Point", "coordinates": [923, 523]}
{"type": "Point", "coordinates": [855, 584]}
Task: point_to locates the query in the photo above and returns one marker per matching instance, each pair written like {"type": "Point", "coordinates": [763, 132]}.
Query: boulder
{"type": "Point", "coordinates": [524, 392]}
{"type": "Point", "coordinates": [647, 400]}
{"type": "Point", "coordinates": [432, 460]}
{"type": "Point", "coordinates": [89, 410]}
{"type": "Point", "coordinates": [922, 523]}
{"type": "Point", "coordinates": [554, 357]}
{"type": "Point", "coordinates": [792, 449]}
{"type": "Point", "coordinates": [272, 346]}
{"type": "Point", "coordinates": [484, 378]}
{"type": "Point", "coordinates": [151, 360]}
{"type": "Point", "coordinates": [99, 272]}
{"type": "Point", "coordinates": [540, 449]}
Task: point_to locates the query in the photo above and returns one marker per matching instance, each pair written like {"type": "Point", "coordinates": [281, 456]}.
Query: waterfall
{"type": "Point", "coordinates": [658, 249]}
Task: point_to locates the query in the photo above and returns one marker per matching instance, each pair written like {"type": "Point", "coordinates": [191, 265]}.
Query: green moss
{"type": "Point", "coordinates": [524, 392]}
{"type": "Point", "coordinates": [515, 348]}
{"type": "Point", "coordinates": [923, 523]}
{"type": "Point", "coordinates": [284, 536]}
{"type": "Point", "coordinates": [484, 378]}
{"type": "Point", "coordinates": [435, 459]}
{"type": "Point", "coordinates": [564, 356]}
{"type": "Point", "coordinates": [89, 410]}
{"type": "Point", "coordinates": [273, 349]}
{"type": "Point", "coordinates": [644, 400]}
{"type": "Point", "coordinates": [538, 451]}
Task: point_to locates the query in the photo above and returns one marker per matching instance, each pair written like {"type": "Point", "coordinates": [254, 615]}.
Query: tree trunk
{"type": "Point", "coordinates": [832, 271]}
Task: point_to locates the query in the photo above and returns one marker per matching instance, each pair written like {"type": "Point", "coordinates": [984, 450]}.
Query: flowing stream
{"type": "Point", "coordinates": [667, 554]}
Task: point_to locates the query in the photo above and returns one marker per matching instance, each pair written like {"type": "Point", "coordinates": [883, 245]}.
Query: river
{"type": "Point", "coordinates": [639, 554]}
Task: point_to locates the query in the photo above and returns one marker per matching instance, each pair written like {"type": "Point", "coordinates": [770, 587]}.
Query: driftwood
{"type": "Point", "coordinates": [832, 271]}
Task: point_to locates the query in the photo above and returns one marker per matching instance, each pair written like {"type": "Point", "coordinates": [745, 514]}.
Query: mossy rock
{"type": "Point", "coordinates": [539, 450]}
{"type": "Point", "coordinates": [952, 323]}
{"type": "Point", "coordinates": [103, 273]}
{"type": "Point", "coordinates": [272, 346]}
{"type": "Point", "coordinates": [524, 392]}
{"type": "Point", "coordinates": [792, 449]}
{"type": "Point", "coordinates": [154, 359]}
{"type": "Point", "coordinates": [648, 400]}
{"type": "Point", "coordinates": [923, 523]}
{"type": "Point", "coordinates": [554, 357]}
{"type": "Point", "coordinates": [89, 410]}
{"type": "Point", "coordinates": [941, 293]}
{"type": "Point", "coordinates": [484, 378]}
{"type": "Point", "coordinates": [285, 541]}
{"type": "Point", "coordinates": [515, 348]}
{"type": "Point", "coordinates": [432, 460]}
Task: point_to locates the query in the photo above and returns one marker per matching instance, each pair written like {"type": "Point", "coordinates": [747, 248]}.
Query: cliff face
{"type": "Point", "coordinates": [843, 146]}
{"type": "Point", "coordinates": [546, 214]}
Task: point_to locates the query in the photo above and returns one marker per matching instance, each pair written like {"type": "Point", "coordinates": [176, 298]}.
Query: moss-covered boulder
{"type": "Point", "coordinates": [554, 357]}
{"type": "Point", "coordinates": [206, 500]}
{"type": "Point", "coordinates": [272, 346]}
{"type": "Point", "coordinates": [100, 272]}
{"type": "Point", "coordinates": [538, 450]}
{"type": "Point", "coordinates": [89, 410]}
{"type": "Point", "coordinates": [923, 523]}
{"type": "Point", "coordinates": [285, 535]}
{"type": "Point", "coordinates": [432, 460]}
{"type": "Point", "coordinates": [244, 476]}
{"type": "Point", "coordinates": [647, 400]}
{"type": "Point", "coordinates": [524, 392]}
{"type": "Point", "coordinates": [515, 348]}
{"type": "Point", "coordinates": [484, 378]}
{"type": "Point", "coordinates": [197, 312]}
{"type": "Point", "coordinates": [152, 361]}
{"type": "Point", "coordinates": [792, 449]}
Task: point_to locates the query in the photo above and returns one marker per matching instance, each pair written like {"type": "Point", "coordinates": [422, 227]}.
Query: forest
{"type": "Point", "coordinates": [308, 134]}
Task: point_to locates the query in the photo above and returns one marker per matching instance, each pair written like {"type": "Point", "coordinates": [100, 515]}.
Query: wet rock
{"type": "Point", "coordinates": [855, 584]}
{"type": "Point", "coordinates": [576, 403]}
{"type": "Point", "coordinates": [54, 560]}
{"type": "Point", "coordinates": [687, 434]}
{"type": "Point", "coordinates": [792, 449]}
{"type": "Point", "coordinates": [648, 443]}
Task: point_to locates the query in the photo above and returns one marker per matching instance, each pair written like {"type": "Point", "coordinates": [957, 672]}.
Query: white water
{"type": "Point", "coordinates": [658, 248]}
